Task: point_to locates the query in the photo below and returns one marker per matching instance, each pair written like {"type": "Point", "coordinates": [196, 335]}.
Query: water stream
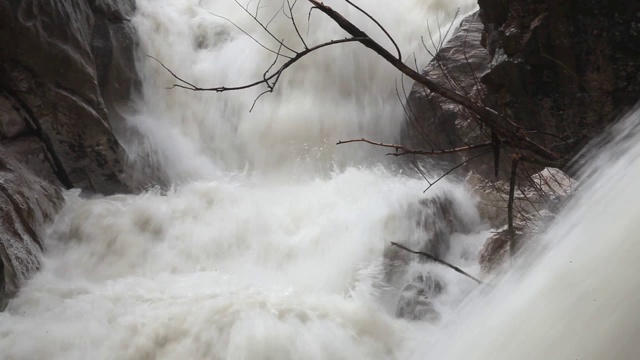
{"type": "Point", "coordinates": [270, 241]}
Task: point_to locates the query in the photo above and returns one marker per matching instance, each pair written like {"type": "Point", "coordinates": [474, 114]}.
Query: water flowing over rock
{"type": "Point", "coordinates": [28, 203]}
{"type": "Point", "coordinates": [66, 68]}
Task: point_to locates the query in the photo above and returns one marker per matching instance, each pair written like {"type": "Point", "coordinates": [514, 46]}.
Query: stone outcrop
{"type": "Point", "coordinates": [438, 123]}
{"type": "Point", "coordinates": [535, 205]}
{"type": "Point", "coordinates": [27, 204]}
{"type": "Point", "coordinates": [67, 73]}
{"type": "Point", "coordinates": [66, 69]}
{"type": "Point", "coordinates": [567, 68]}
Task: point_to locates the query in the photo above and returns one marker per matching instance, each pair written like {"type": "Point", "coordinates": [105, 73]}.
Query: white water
{"type": "Point", "coordinates": [270, 246]}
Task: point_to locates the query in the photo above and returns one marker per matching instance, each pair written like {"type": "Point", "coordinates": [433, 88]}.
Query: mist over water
{"type": "Point", "coordinates": [269, 243]}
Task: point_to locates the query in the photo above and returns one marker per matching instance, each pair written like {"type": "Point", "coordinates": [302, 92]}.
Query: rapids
{"type": "Point", "coordinates": [269, 241]}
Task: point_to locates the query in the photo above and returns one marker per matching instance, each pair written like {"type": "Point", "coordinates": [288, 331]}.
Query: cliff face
{"type": "Point", "coordinates": [66, 71]}
{"type": "Point", "coordinates": [561, 70]}
{"type": "Point", "coordinates": [66, 67]}
{"type": "Point", "coordinates": [567, 68]}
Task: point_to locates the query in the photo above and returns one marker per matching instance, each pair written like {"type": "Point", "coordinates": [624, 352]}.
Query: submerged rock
{"type": "Point", "coordinates": [28, 203]}
{"type": "Point", "coordinates": [416, 299]}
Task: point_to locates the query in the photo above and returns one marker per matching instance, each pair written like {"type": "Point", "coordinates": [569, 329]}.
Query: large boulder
{"type": "Point", "coordinates": [27, 203]}
{"type": "Point", "coordinates": [567, 68]}
{"type": "Point", "coordinates": [434, 122]}
{"type": "Point", "coordinates": [48, 69]}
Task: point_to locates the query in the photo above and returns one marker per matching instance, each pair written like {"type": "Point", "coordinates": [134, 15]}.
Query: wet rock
{"type": "Point", "coordinates": [435, 219]}
{"type": "Point", "coordinates": [32, 153]}
{"type": "Point", "coordinates": [68, 68]}
{"type": "Point", "coordinates": [546, 190]}
{"type": "Point", "coordinates": [567, 68]}
{"type": "Point", "coordinates": [28, 204]}
{"type": "Point", "coordinates": [416, 299]}
{"type": "Point", "coordinates": [439, 123]}
{"type": "Point", "coordinates": [12, 123]}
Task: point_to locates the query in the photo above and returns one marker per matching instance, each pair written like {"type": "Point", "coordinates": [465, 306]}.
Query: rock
{"type": "Point", "coordinates": [11, 122]}
{"type": "Point", "coordinates": [416, 299]}
{"type": "Point", "coordinates": [546, 190]}
{"type": "Point", "coordinates": [28, 203]}
{"type": "Point", "coordinates": [48, 66]}
{"type": "Point", "coordinates": [31, 152]}
{"type": "Point", "coordinates": [567, 68]}
{"type": "Point", "coordinates": [441, 122]}
{"type": "Point", "coordinates": [436, 219]}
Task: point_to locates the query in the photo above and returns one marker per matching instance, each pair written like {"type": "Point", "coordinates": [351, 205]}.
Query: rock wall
{"type": "Point", "coordinates": [67, 72]}
{"type": "Point", "coordinates": [567, 68]}
{"type": "Point", "coordinates": [66, 68]}
{"type": "Point", "coordinates": [27, 204]}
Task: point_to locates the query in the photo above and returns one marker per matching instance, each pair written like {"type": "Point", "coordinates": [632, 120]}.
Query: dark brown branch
{"type": "Point", "coordinates": [379, 25]}
{"type": "Point", "coordinates": [244, 32]}
{"type": "Point", "coordinates": [453, 169]}
{"type": "Point", "coordinates": [263, 26]}
{"type": "Point", "coordinates": [275, 76]}
{"type": "Point", "coordinates": [406, 151]}
{"type": "Point", "coordinates": [487, 116]}
{"type": "Point", "coordinates": [293, 21]}
{"type": "Point", "coordinates": [441, 262]}
{"type": "Point", "coordinates": [512, 191]}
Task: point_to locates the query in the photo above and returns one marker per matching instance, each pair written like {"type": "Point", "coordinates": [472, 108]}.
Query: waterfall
{"type": "Point", "coordinates": [271, 242]}
{"type": "Point", "coordinates": [575, 293]}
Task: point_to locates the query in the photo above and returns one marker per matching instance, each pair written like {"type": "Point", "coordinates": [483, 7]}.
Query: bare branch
{"type": "Point", "coordinates": [405, 151]}
{"type": "Point", "coordinates": [379, 25]}
{"type": "Point", "coordinates": [246, 33]}
{"type": "Point", "coordinates": [453, 169]}
{"type": "Point", "coordinates": [439, 261]}
{"type": "Point", "coordinates": [487, 116]}
{"type": "Point", "coordinates": [512, 189]}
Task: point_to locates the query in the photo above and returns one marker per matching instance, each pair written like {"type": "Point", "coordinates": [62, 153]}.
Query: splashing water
{"type": "Point", "coordinates": [270, 244]}
{"type": "Point", "coordinates": [578, 297]}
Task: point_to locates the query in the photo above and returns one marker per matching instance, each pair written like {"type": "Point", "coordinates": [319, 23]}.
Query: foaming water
{"type": "Point", "coordinates": [577, 296]}
{"type": "Point", "coordinates": [270, 244]}
{"type": "Point", "coordinates": [337, 93]}
{"type": "Point", "coordinates": [225, 271]}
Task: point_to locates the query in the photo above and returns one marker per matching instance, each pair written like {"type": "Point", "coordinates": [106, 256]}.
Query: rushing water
{"type": "Point", "coordinates": [270, 243]}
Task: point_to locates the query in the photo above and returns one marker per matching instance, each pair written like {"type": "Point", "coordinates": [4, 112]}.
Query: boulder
{"type": "Point", "coordinates": [416, 299]}
{"type": "Point", "coordinates": [434, 122]}
{"type": "Point", "coordinates": [28, 204]}
{"type": "Point", "coordinates": [48, 52]}
{"type": "Point", "coordinates": [567, 68]}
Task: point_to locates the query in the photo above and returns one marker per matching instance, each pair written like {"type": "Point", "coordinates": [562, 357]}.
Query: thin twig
{"type": "Point", "coordinates": [441, 262]}
{"type": "Point", "coordinates": [406, 151]}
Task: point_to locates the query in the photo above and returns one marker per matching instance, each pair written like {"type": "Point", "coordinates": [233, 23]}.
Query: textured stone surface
{"type": "Point", "coordinates": [438, 123]}
{"type": "Point", "coordinates": [568, 67]}
{"type": "Point", "coordinates": [27, 203]}
{"type": "Point", "coordinates": [12, 124]}
{"type": "Point", "coordinates": [48, 66]}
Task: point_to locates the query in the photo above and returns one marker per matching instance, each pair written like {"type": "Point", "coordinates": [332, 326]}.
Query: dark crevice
{"type": "Point", "coordinates": [56, 166]}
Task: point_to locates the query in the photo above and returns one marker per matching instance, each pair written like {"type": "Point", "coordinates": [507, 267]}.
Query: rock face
{"type": "Point", "coordinates": [567, 68]}
{"type": "Point", "coordinates": [535, 205]}
{"type": "Point", "coordinates": [65, 67]}
{"type": "Point", "coordinates": [438, 123]}
{"type": "Point", "coordinates": [27, 203]}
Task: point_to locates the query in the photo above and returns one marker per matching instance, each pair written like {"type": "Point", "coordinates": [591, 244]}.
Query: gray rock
{"type": "Point", "coordinates": [28, 204]}
{"type": "Point", "coordinates": [47, 65]}
{"type": "Point", "coordinates": [12, 124]}
{"type": "Point", "coordinates": [31, 152]}
{"type": "Point", "coordinates": [416, 299]}
{"type": "Point", "coordinates": [438, 123]}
